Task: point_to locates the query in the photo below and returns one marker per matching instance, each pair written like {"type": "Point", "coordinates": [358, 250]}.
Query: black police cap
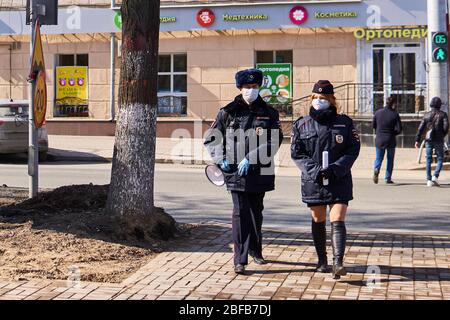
{"type": "Point", "coordinates": [323, 87]}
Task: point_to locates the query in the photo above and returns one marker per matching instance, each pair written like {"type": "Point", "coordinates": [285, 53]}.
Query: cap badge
{"type": "Point", "coordinates": [320, 89]}
{"type": "Point", "coordinates": [259, 131]}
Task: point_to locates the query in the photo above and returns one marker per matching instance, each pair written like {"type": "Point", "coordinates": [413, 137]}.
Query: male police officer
{"type": "Point", "coordinates": [242, 141]}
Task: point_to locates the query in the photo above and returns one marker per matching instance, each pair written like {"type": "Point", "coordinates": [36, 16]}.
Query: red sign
{"type": "Point", "coordinates": [298, 15]}
{"type": "Point", "coordinates": [206, 18]}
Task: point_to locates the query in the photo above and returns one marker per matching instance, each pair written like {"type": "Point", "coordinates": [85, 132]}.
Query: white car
{"type": "Point", "coordinates": [14, 129]}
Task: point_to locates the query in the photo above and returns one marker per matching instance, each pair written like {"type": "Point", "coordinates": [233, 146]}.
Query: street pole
{"type": "Point", "coordinates": [438, 71]}
{"type": "Point", "coordinates": [33, 152]}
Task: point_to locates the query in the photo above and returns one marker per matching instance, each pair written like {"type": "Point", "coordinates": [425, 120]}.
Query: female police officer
{"type": "Point", "coordinates": [242, 141]}
{"type": "Point", "coordinates": [325, 130]}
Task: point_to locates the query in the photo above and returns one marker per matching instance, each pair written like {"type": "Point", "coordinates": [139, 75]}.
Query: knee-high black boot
{"type": "Point", "coordinates": [338, 240]}
{"type": "Point", "coordinates": [319, 234]}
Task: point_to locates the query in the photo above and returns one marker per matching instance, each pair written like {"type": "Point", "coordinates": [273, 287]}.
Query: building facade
{"type": "Point", "coordinates": [369, 49]}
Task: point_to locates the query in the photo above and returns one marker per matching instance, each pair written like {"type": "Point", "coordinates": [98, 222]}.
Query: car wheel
{"type": "Point", "coordinates": [43, 156]}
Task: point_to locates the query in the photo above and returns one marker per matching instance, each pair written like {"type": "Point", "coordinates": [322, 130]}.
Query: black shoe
{"type": "Point", "coordinates": [322, 266]}
{"type": "Point", "coordinates": [376, 172]}
{"type": "Point", "coordinates": [259, 260]}
{"type": "Point", "coordinates": [338, 242]}
{"type": "Point", "coordinates": [257, 257]}
{"type": "Point", "coordinates": [239, 269]}
{"type": "Point", "coordinates": [338, 271]}
{"type": "Point", "coordinates": [389, 181]}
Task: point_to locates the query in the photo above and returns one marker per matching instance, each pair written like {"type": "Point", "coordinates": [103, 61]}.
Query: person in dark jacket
{"type": "Point", "coordinates": [322, 186]}
{"type": "Point", "coordinates": [434, 127]}
{"type": "Point", "coordinates": [243, 141]}
{"type": "Point", "coordinates": [387, 125]}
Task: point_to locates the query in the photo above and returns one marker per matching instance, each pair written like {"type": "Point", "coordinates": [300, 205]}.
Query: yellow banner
{"type": "Point", "coordinates": [72, 86]}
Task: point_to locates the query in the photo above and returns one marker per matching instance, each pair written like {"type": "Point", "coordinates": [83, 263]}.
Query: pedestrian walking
{"type": "Point", "coordinates": [433, 129]}
{"type": "Point", "coordinates": [324, 146]}
{"type": "Point", "coordinates": [387, 125]}
{"type": "Point", "coordinates": [242, 141]}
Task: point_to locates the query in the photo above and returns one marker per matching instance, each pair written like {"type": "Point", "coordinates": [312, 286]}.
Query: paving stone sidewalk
{"type": "Point", "coordinates": [409, 266]}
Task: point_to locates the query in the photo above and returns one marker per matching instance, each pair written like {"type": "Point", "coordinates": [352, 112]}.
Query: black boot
{"type": "Point", "coordinates": [319, 234]}
{"type": "Point", "coordinates": [338, 240]}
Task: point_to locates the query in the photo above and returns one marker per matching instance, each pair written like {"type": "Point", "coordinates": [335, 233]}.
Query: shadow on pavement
{"type": "Point", "coordinates": [56, 157]}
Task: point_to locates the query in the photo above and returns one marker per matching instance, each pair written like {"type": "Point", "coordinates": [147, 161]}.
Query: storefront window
{"type": "Point", "coordinates": [71, 74]}
{"type": "Point", "coordinates": [397, 71]}
{"type": "Point", "coordinates": [284, 56]}
{"type": "Point", "coordinates": [172, 84]}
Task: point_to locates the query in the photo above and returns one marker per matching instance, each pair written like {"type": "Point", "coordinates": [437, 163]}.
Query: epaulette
{"type": "Point", "coordinates": [229, 107]}
{"type": "Point", "coordinates": [302, 120]}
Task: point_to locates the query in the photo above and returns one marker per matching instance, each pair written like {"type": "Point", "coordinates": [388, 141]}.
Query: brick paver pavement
{"type": "Point", "coordinates": [381, 266]}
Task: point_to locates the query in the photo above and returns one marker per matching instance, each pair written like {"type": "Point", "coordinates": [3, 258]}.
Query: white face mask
{"type": "Point", "coordinates": [250, 95]}
{"type": "Point", "coordinates": [320, 104]}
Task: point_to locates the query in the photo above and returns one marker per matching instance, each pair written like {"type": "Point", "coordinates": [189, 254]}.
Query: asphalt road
{"type": "Point", "coordinates": [186, 194]}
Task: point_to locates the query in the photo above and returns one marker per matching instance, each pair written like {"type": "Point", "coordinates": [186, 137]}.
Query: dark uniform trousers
{"type": "Point", "coordinates": [247, 224]}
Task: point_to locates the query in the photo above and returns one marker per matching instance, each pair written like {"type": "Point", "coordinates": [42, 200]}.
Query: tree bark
{"type": "Point", "coordinates": [130, 198]}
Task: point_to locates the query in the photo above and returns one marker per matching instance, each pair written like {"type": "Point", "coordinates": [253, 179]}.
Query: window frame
{"type": "Point", "coordinates": [173, 94]}
{"type": "Point", "coordinates": [274, 55]}
{"type": "Point", "coordinates": [173, 73]}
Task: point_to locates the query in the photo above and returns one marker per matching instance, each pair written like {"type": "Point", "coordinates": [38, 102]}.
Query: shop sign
{"type": "Point", "coordinates": [277, 83]}
{"type": "Point", "coordinates": [298, 15]}
{"type": "Point", "coordinates": [245, 17]}
{"type": "Point", "coordinates": [72, 86]}
{"type": "Point", "coordinates": [118, 19]}
{"type": "Point", "coordinates": [408, 33]}
{"type": "Point", "coordinates": [335, 15]}
{"type": "Point", "coordinates": [206, 18]}
{"type": "Point", "coordinates": [168, 19]}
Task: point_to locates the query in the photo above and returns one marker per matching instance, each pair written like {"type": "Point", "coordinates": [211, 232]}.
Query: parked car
{"type": "Point", "coordinates": [14, 129]}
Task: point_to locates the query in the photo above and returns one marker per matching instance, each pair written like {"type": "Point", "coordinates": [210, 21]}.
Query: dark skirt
{"type": "Point", "coordinates": [326, 203]}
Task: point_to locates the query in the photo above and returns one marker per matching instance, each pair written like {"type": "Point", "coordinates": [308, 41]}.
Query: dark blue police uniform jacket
{"type": "Point", "coordinates": [335, 134]}
{"type": "Point", "coordinates": [255, 121]}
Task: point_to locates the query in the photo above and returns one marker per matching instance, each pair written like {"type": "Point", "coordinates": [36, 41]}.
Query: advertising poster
{"type": "Point", "coordinates": [277, 83]}
{"type": "Point", "coordinates": [72, 91]}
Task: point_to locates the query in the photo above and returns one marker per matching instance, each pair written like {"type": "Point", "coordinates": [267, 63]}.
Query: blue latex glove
{"type": "Point", "coordinates": [243, 167]}
{"type": "Point", "coordinates": [224, 166]}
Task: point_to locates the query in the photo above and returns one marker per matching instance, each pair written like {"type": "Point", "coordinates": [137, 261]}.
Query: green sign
{"type": "Point", "coordinates": [118, 19]}
{"type": "Point", "coordinates": [277, 84]}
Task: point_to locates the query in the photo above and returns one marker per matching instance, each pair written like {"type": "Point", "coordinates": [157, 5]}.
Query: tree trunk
{"type": "Point", "coordinates": [130, 198]}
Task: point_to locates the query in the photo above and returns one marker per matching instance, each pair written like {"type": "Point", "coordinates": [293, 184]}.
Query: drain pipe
{"type": "Point", "coordinates": [112, 91]}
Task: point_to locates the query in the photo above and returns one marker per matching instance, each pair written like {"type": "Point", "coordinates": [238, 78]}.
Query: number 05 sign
{"type": "Point", "coordinates": [40, 100]}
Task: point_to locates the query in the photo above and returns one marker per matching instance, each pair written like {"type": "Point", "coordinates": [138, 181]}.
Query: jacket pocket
{"type": "Point", "coordinates": [310, 189]}
{"type": "Point", "coordinates": [305, 143]}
